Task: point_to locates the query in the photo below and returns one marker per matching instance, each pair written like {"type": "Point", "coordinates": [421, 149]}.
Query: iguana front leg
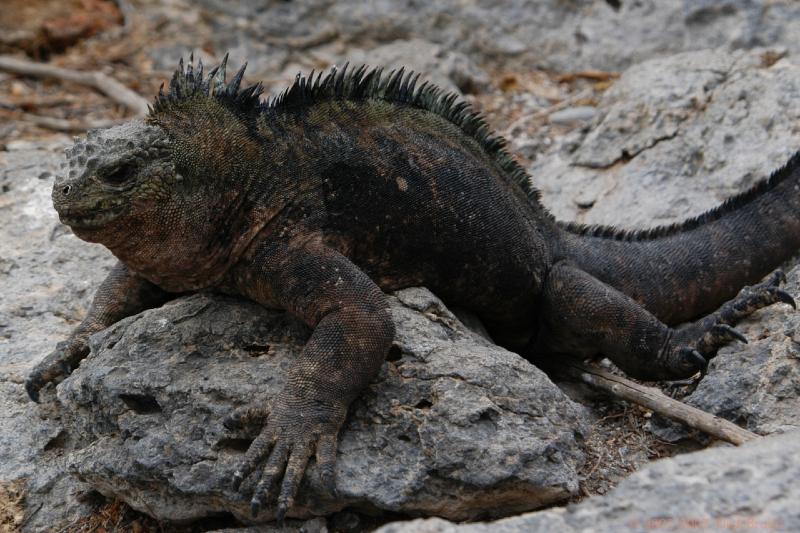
{"type": "Point", "coordinates": [352, 334]}
{"type": "Point", "coordinates": [121, 294]}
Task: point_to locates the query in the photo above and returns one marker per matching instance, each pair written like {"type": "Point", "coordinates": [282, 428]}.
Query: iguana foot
{"type": "Point", "coordinates": [693, 345]}
{"type": "Point", "coordinates": [294, 431]}
{"type": "Point", "coordinates": [56, 366]}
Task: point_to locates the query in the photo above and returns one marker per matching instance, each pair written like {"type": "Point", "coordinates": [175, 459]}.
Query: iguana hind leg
{"type": "Point", "coordinates": [583, 316]}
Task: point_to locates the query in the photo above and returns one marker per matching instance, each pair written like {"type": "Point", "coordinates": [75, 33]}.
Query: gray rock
{"type": "Point", "coordinates": [674, 137]}
{"type": "Point", "coordinates": [571, 115]}
{"type": "Point", "coordinates": [314, 525]}
{"type": "Point", "coordinates": [750, 488]}
{"type": "Point", "coordinates": [48, 277]}
{"type": "Point", "coordinates": [454, 425]}
{"type": "Point", "coordinates": [554, 34]}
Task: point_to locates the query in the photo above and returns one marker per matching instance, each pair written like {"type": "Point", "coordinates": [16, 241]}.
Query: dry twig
{"type": "Point", "coordinates": [596, 75]}
{"type": "Point", "coordinates": [62, 124]}
{"type": "Point", "coordinates": [103, 83]}
{"type": "Point", "coordinates": [325, 35]}
{"type": "Point", "coordinates": [658, 402]}
{"type": "Point", "coordinates": [544, 113]}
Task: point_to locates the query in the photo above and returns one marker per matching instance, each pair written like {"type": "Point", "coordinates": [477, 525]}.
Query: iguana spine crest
{"type": "Point", "coordinates": [400, 87]}
{"type": "Point", "coordinates": [359, 84]}
{"type": "Point", "coordinates": [731, 204]}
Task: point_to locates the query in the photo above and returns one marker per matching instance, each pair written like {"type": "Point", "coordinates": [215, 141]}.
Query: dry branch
{"type": "Point", "coordinates": [658, 402]}
{"type": "Point", "coordinates": [596, 75]}
{"type": "Point", "coordinates": [61, 124]}
{"type": "Point", "coordinates": [103, 83]}
{"type": "Point", "coordinates": [325, 35]}
{"type": "Point", "coordinates": [544, 113]}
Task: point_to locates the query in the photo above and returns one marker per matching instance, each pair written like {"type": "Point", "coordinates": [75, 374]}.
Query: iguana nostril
{"type": "Point", "coordinates": [66, 189]}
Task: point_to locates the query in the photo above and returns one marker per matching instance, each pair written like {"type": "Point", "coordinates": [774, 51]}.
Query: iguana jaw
{"type": "Point", "coordinates": [95, 217]}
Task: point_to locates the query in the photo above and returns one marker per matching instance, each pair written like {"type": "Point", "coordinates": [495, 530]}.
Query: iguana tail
{"type": "Point", "coordinates": [686, 270]}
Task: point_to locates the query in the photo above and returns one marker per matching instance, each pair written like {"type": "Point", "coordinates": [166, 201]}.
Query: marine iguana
{"type": "Point", "coordinates": [354, 183]}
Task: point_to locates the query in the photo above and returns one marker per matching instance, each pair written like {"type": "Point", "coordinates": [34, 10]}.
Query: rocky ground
{"type": "Point", "coordinates": [626, 113]}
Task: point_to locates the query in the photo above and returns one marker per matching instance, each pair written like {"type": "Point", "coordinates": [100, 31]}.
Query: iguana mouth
{"type": "Point", "coordinates": [80, 218]}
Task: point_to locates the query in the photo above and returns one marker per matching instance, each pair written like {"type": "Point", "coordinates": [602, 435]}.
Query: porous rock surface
{"type": "Point", "coordinates": [675, 137]}
{"type": "Point", "coordinates": [48, 277]}
{"type": "Point", "coordinates": [454, 426]}
{"type": "Point", "coordinates": [750, 488]}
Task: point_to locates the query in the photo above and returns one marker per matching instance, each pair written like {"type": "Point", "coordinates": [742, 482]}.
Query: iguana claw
{"type": "Point", "coordinates": [693, 359]}
{"type": "Point", "coordinates": [32, 387]}
{"type": "Point", "coordinates": [785, 297]}
{"type": "Point", "coordinates": [706, 336]}
{"type": "Point", "coordinates": [293, 433]}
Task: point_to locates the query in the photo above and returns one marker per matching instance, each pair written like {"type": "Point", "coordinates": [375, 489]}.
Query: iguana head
{"type": "Point", "coordinates": [111, 174]}
{"type": "Point", "coordinates": [168, 195]}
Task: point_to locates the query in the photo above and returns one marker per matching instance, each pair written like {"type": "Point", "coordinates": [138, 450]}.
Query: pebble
{"type": "Point", "coordinates": [571, 115]}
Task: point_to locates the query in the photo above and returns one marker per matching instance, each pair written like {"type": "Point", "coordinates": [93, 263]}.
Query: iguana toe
{"type": "Point", "coordinates": [718, 336]}
{"type": "Point", "coordinates": [692, 361]}
{"type": "Point", "coordinates": [293, 433]}
{"type": "Point", "coordinates": [785, 297]}
{"type": "Point", "coordinates": [56, 366]}
{"type": "Point", "coordinates": [32, 387]}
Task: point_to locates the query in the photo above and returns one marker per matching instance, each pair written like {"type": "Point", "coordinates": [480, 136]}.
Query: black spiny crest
{"type": "Point", "coordinates": [188, 82]}
{"type": "Point", "coordinates": [400, 87]}
{"type": "Point", "coordinates": [731, 204]}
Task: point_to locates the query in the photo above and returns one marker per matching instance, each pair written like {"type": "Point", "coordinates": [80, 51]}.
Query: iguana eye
{"type": "Point", "coordinates": [119, 176]}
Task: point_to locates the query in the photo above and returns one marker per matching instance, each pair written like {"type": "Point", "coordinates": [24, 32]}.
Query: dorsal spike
{"type": "Point", "coordinates": [377, 80]}
{"type": "Point", "coordinates": [328, 80]}
{"type": "Point", "coordinates": [366, 81]}
{"type": "Point", "coordinates": [177, 81]}
{"type": "Point", "coordinates": [412, 85]}
{"type": "Point", "coordinates": [211, 74]}
{"type": "Point", "coordinates": [251, 93]}
{"type": "Point", "coordinates": [338, 82]}
{"type": "Point", "coordinates": [233, 86]}
{"type": "Point", "coordinates": [218, 81]}
{"type": "Point", "coordinates": [309, 86]}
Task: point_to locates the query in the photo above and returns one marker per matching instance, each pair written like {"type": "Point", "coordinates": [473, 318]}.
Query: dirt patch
{"type": "Point", "coordinates": [41, 27]}
{"type": "Point", "coordinates": [619, 444]}
{"type": "Point", "coordinates": [12, 500]}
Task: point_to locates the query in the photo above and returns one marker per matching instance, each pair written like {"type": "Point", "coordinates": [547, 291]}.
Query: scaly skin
{"type": "Point", "coordinates": [356, 184]}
